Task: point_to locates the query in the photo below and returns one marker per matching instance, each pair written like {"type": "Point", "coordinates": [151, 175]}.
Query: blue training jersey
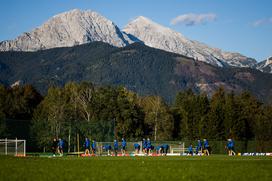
{"type": "Point", "coordinates": [190, 148]}
{"type": "Point", "coordinates": [230, 144]}
{"type": "Point", "coordinates": [115, 145]}
{"type": "Point", "coordinates": [94, 145]}
{"type": "Point", "coordinates": [206, 144]}
{"type": "Point", "coordinates": [124, 143]}
{"type": "Point", "coordinates": [61, 143]}
{"type": "Point", "coordinates": [87, 143]}
{"type": "Point", "coordinates": [136, 145]}
{"type": "Point", "coordinates": [165, 146]}
{"type": "Point", "coordinates": [199, 144]}
{"type": "Point", "coordinates": [107, 147]}
{"type": "Point", "coordinates": [144, 144]}
{"type": "Point", "coordinates": [148, 144]}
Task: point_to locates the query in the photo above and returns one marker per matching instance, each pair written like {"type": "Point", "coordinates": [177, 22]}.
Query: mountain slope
{"type": "Point", "coordinates": [157, 36]}
{"type": "Point", "coordinates": [266, 65]}
{"type": "Point", "coordinates": [69, 29]}
{"type": "Point", "coordinates": [138, 67]}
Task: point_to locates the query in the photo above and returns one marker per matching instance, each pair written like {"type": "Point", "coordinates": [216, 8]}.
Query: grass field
{"type": "Point", "coordinates": [137, 168]}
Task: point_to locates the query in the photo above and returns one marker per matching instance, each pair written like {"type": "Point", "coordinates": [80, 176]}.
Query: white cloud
{"type": "Point", "coordinates": [193, 19]}
{"type": "Point", "coordinates": [261, 22]}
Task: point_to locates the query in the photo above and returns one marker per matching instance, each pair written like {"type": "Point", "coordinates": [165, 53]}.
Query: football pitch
{"type": "Point", "coordinates": [215, 167]}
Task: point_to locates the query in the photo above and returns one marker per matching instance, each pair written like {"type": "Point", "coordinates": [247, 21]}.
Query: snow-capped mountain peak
{"type": "Point", "coordinates": [146, 23]}
{"type": "Point", "coordinates": [68, 29]}
{"type": "Point", "coordinates": [158, 36]}
{"type": "Point", "coordinates": [266, 65]}
{"type": "Point", "coordinates": [268, 61]}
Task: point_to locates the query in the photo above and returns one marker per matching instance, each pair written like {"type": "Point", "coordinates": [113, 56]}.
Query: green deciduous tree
{"type": "Point", "coordinates": [159, 122]}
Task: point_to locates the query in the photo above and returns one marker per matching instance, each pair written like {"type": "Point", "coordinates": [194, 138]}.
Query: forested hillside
{"type": "Point", "coordinates": [137, 67]}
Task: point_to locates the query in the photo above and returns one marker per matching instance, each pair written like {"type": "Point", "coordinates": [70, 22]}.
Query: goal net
{"type": "Point", "coordinates": [13, 147]}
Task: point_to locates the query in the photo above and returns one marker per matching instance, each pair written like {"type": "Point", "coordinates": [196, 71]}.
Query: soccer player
{"type": "Point", "coordinates": [137, 148]}
{"type": "Point", "coordinates": [230, 147]}
{"type": "Point", "coordinates": [190, 150]}
{"type": "Point", "coordinates": [124, 144]}
{"type": "Point", "coordinates": [115, 145]}
{"type": "Point", "coordinates": [54, 146]}
{"type": "Point", "coordinates": [61, 146]}
{"type": "Point", "coordinates": [148, 146]}
{"type": "Point", "coordinates": [87, 146]}
{"type": "Point", "coordinates": [108, 149]}
{"type": "Point", "coordinates": [93, 147]}
{"type": "Point", "coordinates": [165, 149]}
{"type": "Point", "coordinates": [199, 147]}
{"type": "Point", "coordinates": [144, 143]}
{"type": "Point", "coordinates": [206, 147]}
{"type": "Point", "coordinates": [159, 150]}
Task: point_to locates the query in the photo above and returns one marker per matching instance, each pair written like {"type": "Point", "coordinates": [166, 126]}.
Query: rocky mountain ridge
{"type": "Point", "coordinates": [158, 36]}
{"type": "Point", "coordinates": [69, 29]}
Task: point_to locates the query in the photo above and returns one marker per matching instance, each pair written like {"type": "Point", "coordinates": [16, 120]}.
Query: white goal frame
{"type": "Point", "coordinates": [178, 151]}
{"type": "Point", "coordinates": [13, 149]}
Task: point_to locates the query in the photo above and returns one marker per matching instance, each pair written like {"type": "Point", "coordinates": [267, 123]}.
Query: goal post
{"type": "Point", "coordinates": [177, 149]}
{"type": "Point", "coordinates": [13, 147]}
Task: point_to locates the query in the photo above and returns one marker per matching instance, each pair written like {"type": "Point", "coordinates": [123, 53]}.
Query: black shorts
{"type": "Point", "coordinates": [123, 148]}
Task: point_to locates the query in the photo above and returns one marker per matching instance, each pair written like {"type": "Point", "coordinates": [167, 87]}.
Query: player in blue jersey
{"type": "Point", "coordinates": [108, 149]}
{"type": "Point", "coordinates": [165, 149]}
{"type": "Point", "coordinates": [124, 145]}
{"type": "Point", "coordinates": [206, 147]}
{"type": "Point", "coordinates": [60, 146]}
{"type": "Point", "coordinates": [199, 147]}
{"type": "Point", "coordinates": [93, 147]}
{"type": "Point", "coordinates": [148, 146]}
{"type": "Point", "coordinates": [190, 150]}
{"type": "Point", "coordinates": [86, 146]}
{"type": "Point", "coordinates": [144, 143]}
{"type": "Point", "coordinates": [137, 148]}
{"type": "Point", "coordinates": [115, 146]}
{"type": "Point", "coordinates": [230, 147]}
{"type": "Point", "coordinates": [159, 149]}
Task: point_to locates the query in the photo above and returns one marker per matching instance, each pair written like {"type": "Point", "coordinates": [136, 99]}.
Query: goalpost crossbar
{"type": "Point", "coordinates": [14, 147]}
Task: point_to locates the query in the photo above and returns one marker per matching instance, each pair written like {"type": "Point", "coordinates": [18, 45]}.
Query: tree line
{"type": "Point", "coordinates": [105, 113]}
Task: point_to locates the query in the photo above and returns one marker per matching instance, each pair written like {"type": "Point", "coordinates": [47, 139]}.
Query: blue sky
{"type": "Point", "coordinates": [232, 25]}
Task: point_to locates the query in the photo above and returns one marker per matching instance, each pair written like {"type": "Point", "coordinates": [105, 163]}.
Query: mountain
{"type": "Point", "coordinates": [158, 36]}
{"type": "Point", "coordinates": [69, 29]}
{"type": "Point", "coordinates": [266, 65]}
{"type": "Point", "coordinates": [140, 68]}
{"type": "Point", "coordinates": [78, 27]}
